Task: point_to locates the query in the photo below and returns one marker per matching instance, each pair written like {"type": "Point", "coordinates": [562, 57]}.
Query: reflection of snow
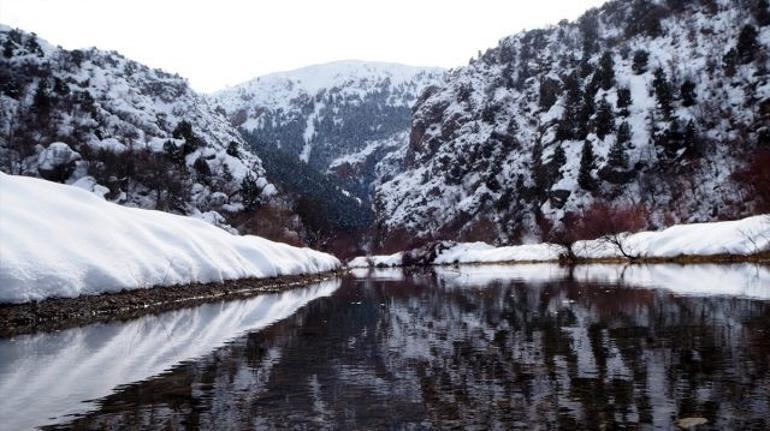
{"type": "Point", "coordinates": [744, 280]}
{"type": "Point", "coordinates": [87, 363]}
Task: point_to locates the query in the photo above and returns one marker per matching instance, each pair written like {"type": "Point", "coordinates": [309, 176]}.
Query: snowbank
{"type": "Point", "coordinates": [385, 261]}
{"type": "Point", "coordinates": [739, 238]}
{"type": "Point", "coordinates": [62, 241]}
{"type": "Point", "coordinates": [481, 252]}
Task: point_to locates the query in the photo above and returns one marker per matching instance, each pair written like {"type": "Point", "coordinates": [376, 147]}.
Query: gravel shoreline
{"type": "Point", "coordinates": [61, 313]}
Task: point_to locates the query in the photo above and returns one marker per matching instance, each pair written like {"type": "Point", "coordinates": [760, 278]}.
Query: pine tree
{"type": "Point", "coordinates": [662, 90]}
{"type": "Point", "coordinates": [607, 71]}
{"type": "Point", "coordinates": [624, 133]}
{"type": "Point", "coordinates": [761, 13]}
{"type": "Point", "coordinates": [558, 160]}
{"type": "Point", "coordinates": [568, 124]}
{"type": "Point", "coordinates": [641, 58]}
{"type": "Point", "coordinates": [688, 93]}
{"type": "Point", "coordinates": [8, 48]}
{"type": "Point", "coordinates": [617, 158]}
{"type": "Point", "coordinates": [549, 93]}
{"type": "Point", "coordinates": [538, 170]}
{"type": "Point", "coordinates": [691, 137]}
{"type": "Point", "coordinates": [250, 192]}
{"type": "Point", "coordinates": [604, 123]}
{"type": "Point", "coordinates": [747, 45]}
{"type": "Point", "coordinates": [227, 174]}
{"type": "Point", "coordinates": [183, 130]}
{"type": "Point", "coordinates": [587, 164]}
{"type": "Point", "coordinates": [584, 117]}
{"type": "Point", "coordinates": [202, 168]}
{"type": "Point", "coordinates": [624, 101]}
{"type": "Point", "coordinates": [672, 141]}
{"type": "Point", "coordinates": [60, 87]}
{"type": "Point", "coordinates": [589, 27]}
{"type": "Point", "coordinates": [32, 46]}
{"type": "Point", "coordinates": [174, 153]}
{"type": "Point", "coordinates": [233, 149]}
{"type": "Point", "coordinates": [42, 100]}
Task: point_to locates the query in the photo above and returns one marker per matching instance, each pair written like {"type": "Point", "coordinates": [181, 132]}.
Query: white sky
{"type": "Point", "coordinates": [219, 43]}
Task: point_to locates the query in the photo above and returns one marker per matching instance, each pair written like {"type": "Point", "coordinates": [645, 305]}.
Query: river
{"type": "Point", "coordinates": [484, 347]}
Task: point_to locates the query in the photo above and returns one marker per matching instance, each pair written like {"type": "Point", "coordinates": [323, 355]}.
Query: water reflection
{"type": "Point", "coordinates": [48, 375]}
{"type": "Point", "coordinates": [744, 280]}
{"type": "Point", "coordinates": [484, 348]}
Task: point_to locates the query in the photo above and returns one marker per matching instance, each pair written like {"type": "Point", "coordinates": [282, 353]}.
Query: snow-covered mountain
{"type": "Point", "coordinates": [663, 106]}
{"type": "Point", "coordinates": [137, 136]}
{"type": "Point", "coordinates": [328, 112]}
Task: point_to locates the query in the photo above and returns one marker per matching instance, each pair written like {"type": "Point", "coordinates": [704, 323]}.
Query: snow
{"type": "Point", "coordinates": [277, 90]}
{"type": "Point", "coordinates": [135, 108]}
{"type": "Point", "coordinates": [377, 261]}
{"type": "Point", "coordinates": [89, 184]}
{"type": "Point", "coordinates": [482, 252]}
{"type": "Point", "coordinates": [452, 145]}
{"type": "Point", "coordinates": [63, 241]}
{"type": "Point", "coordinates": [740, 237]}
{"type": "Point", "coordinates": [57, 154]}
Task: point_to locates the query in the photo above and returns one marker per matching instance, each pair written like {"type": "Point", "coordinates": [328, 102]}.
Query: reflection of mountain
{"type": "Point", "coordinates": [424, 352]}
{"type": "Point", "coordinates": [86, 363]}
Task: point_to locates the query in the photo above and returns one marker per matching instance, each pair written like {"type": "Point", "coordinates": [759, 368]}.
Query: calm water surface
{"type": "Point", "coordinates": [527, 347]}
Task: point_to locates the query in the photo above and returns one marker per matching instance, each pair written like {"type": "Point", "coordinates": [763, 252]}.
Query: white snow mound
{"type": "Point", "coordinates": [62, 241]}
{"type": "Point", "coordinates": [744, 237]}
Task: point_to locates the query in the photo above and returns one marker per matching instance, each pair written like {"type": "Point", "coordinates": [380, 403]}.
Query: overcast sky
{"type": "Point", "coordinates": [219, 43]}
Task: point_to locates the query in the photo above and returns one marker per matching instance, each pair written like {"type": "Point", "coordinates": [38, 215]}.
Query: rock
{"type": "Point", "coordinates": [217, 199]}
{"type": "Point", "coordinates": [57, 162]}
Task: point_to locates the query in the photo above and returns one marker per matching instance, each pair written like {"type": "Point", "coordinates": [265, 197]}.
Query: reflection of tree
{"type": "Point", "coordinates": [505, 355]}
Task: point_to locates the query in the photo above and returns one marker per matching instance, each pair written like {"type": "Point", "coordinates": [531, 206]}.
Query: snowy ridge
{"type": "Point", "coordinates": [61, 241]}
{"type": "Point", "coordinates": [323, 112]}
{"type": "Point", "coordinates": [277, 90]}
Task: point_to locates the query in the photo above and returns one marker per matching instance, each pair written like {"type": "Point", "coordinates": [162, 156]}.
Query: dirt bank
{"type": "Point", "coordinates": [57, 314]}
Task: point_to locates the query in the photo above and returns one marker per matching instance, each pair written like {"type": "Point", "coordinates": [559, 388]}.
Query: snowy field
{"type": "Point", "coordinates": [62, 241]}
{"type": "Point", "coordinates": [741, 238]}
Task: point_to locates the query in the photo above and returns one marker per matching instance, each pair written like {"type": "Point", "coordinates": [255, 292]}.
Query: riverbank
{"type": "Point", "coordinates": [60, 313]}
{"type": "Point", "coordinates": [759, 258]}
{"type": "Point", "coordinates": [739, 241]}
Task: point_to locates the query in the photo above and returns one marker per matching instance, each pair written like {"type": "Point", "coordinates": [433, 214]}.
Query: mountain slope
{"type": "Point", "coordinates": [139, 137]}
{"type": "Point", "coordinates": [326, 112]}
{"type": "Point", "coordinates": [657, 105]}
